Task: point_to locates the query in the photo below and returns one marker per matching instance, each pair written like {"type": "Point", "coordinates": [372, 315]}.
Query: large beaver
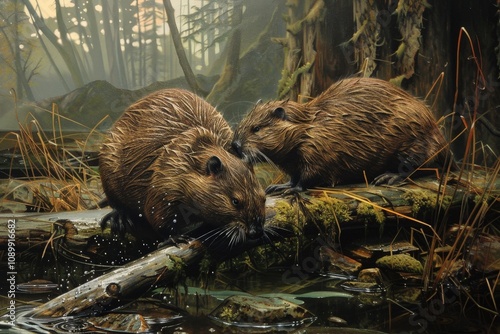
{"type": "Point", "coordinates": [357, 125]}
{"type": "Point", "coordinates": [166, 171]}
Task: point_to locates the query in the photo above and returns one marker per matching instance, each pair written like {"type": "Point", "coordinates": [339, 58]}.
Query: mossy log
{"type": "Point", "coordinates": [362, 204]}
{"type": "Point", "coordinates": [341, 207]}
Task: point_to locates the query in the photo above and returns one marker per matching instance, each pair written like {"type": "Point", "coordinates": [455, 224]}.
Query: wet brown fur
{"type": "Point", "coordinates": [358, 124]}
{"type": "Point", "coordinates": [155, 168]}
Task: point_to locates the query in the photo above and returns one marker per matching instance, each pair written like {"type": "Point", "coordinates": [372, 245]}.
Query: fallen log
{"type": "Point", "coordinates": [123, 285]}
{"type": "Point", "coordinates": [76, 227]}
{"type": "Point", "coordinates": [31, 230]}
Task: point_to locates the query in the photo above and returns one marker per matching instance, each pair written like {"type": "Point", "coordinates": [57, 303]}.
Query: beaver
{"type": "Point", "coordinates": [356, 126]}
{"type": "Point", "coordinates": [166, 170]}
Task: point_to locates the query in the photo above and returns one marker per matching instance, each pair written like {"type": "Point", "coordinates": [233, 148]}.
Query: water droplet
{"type": "Point", "coordinates": [174, 221]}
{"type": "Point", "coordinates": [140, 215]}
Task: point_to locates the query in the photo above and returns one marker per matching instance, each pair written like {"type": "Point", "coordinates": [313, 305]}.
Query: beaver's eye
{"type": "Point", "coordinates": [256, 129]}
{"type": "Point", "coordinates": [235, 201]}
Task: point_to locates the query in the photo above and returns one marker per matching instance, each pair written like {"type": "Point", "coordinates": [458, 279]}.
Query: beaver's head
{"type": "Point", "coordinates": [195, 178]}
{"type": "Point", "coordinates": [271, 130]}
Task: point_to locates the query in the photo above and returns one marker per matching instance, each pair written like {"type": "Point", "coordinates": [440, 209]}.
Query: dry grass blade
{"type": "Point", "coordinates": [56, 174]}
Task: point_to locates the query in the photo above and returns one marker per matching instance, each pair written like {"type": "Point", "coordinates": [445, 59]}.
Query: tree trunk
{"type": "Point", "coordinates": [22, 82]}
{"type": "Point", "coordinates": [67, 55]}
{"type": "Point", "coordinates": [181, 54]}
{"type": "Point", "coordinates": [314, 9]}
{"type": "Point", "coordinates": [94, 42]}
{"type": "Point", "coordinates": [68, 47]}
{"type": "Point", "coordinates": [228, 79]}
{"type": "Point", "coordinates": [118, 53]}
{"type": "Point", "coordinates": [84, 39]}
{"type": "Point", "coordinates": [113, 71]}
{"type": "Point", "coordinates": [154, 46]}
{"type": "Point", "coordinates": [293, 53]}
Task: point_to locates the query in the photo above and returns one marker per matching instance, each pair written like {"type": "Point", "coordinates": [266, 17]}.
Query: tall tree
{"type": "Point", "coordinates": [179, 48]}
{"type": "Point", "coordinates": [140, 42]}
{"type": "Point", "coordinates": [228, 79]}
{"type": "Point", "coordinates": [18, 47]}
{"type": "Point", "coordinates": [151, 17]}
{"type": "Point", "coordinates": [65, 49]}
{"type": "Point", "coordinates": [118, 52]}
{"type": "Point", "coordinates": [93, 40]}
{"type": "Point", "coordinates": [129, 18]}
{"type": "Point", "coordinates": [300, 53]}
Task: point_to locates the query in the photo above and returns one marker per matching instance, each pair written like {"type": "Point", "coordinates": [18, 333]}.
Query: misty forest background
{"type": "Point", "coordinates": [91, 58]}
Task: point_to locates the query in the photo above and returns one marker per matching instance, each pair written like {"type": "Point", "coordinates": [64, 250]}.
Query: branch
{"type": "Point", "coordinates": [179, 49]}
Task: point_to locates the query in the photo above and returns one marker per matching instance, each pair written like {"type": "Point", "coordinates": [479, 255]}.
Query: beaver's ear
{"type": "Point", "coordinates": [214, 166]}
{"type": "Point", "coordinates": [279, 113]}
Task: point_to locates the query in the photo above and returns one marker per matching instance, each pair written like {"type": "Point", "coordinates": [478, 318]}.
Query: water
{"type": "Point", "coordinates": [60, 88]}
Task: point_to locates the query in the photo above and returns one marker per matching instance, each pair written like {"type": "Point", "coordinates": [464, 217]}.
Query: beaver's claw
{"type": "Point", "coordinates": [285, 188]}
{"type": "Point", "coordinates": [390, 179]}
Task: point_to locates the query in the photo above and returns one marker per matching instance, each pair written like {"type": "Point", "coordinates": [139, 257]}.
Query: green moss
{"type": "Point", "coordinates": [368, 213]}
{"type": "Point", "coordinates": [229, 313]}
{"type": "Point", "coordinates": [401, 50]}
{"type": "Point", "coordinates": [178, 267]}
{"type": "Point", "coordinates": [329, 211]}
{"type": "Point", "coordinates": [483, 199]}
{"type": "Point", "coordinates": [400, 262]}
{"type": "Point", "coordinates": [282, 83]}
{"type": "Point", "coordinates": [397, 80]}
{"type": "Point", "coordinates": [424, 201]}
{"type": "Point", "coordinates": [289, 215]}
{"type": "Point", "coordinates": [287, 80]}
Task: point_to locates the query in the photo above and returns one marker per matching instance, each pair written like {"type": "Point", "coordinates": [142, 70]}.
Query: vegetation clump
{"type": "Point", "coordinates": [400, 262]}
{"type": "Point", "coordinates": [369, 213]}
{"type": "Point", "coordinates": [288, 214]}
{"type": "Point", "coordinates": [329, 212]}
{"type": "Point", "coordinates": [424, 201]}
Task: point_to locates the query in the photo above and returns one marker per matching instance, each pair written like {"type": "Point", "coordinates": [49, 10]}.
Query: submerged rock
{"type": "Point", "coordinates": [336, 263]}
{"type": "Point", "coordinates": [260, 312]}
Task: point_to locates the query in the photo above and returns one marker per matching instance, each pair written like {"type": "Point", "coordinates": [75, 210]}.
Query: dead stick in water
{"type": "Point", "coordinates": [122, 285]}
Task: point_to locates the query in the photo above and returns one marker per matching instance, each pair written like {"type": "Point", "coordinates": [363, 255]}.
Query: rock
{"type": "Point", "coordinates": [265, 313]}
{"type": "Point", "coordinates": [336, 263]}
{"type": "Point", "coordinates": [400, 262]}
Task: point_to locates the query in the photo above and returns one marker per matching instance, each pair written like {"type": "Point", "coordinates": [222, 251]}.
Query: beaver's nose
{"type": "Point", "coordinates": [256, 229]}
{"type": "Point", "coordinates": [236, 145]}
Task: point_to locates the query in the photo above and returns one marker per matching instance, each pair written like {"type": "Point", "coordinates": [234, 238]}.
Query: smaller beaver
{"type": "Point", "coordinates": [166, 171]}
{"type": "Point", "coordinates": [357, 125]}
